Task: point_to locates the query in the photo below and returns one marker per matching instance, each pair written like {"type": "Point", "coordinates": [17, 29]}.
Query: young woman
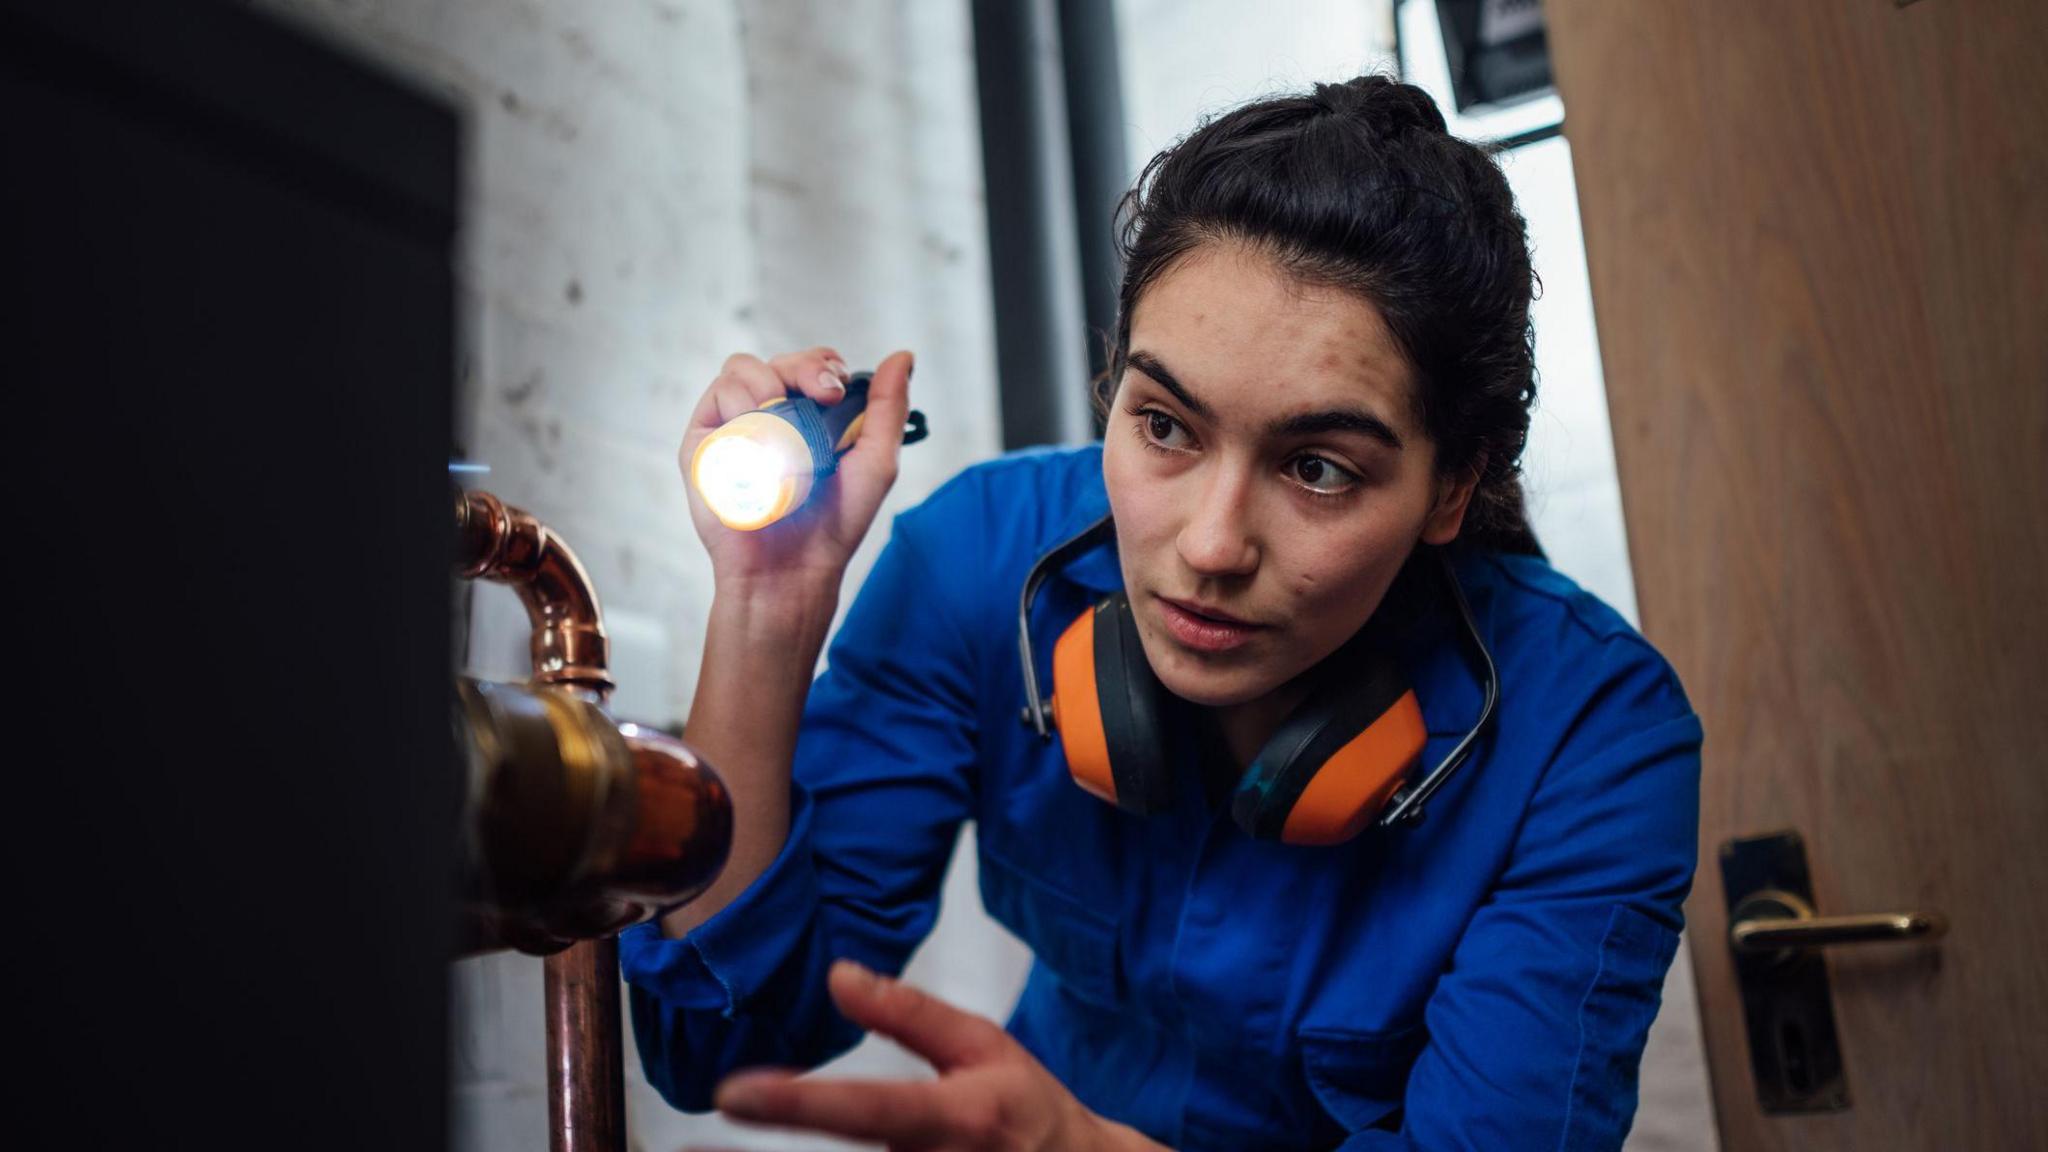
{"type": "Point", "coordinates": [1318, 397]}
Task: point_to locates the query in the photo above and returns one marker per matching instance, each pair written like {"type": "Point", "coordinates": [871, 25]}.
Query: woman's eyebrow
{"type": "Point", "coordinates": [1307, 424]}
{"type": "Point", "coordinates": [1339, 420]}
{"type": "Point", "coordinates": [1149, 364]}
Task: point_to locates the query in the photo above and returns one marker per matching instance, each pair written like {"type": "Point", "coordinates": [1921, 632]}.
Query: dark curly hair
{"type": "Point", "coordinates": [1360, 186]}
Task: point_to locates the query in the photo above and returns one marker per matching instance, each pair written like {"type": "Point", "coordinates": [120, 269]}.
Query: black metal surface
{"type": "Point", "coordinates": [1788, 1007]}
{"type": "Point", "coordinates": [228, 361]}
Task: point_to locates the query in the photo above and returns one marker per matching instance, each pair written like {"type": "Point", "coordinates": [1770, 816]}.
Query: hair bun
{"type": "Point", "coordinates": [1386, 106]}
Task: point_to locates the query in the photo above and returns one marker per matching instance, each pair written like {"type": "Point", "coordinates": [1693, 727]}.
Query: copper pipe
{"type": "Point", "coordinates": [586, 1080]}
{"type": "Point", "coordinates": [586, 1088]}
{"type": "Point", "coordinates": [584, 826]}
{"type": "Point", "coordinates": [586, 1092]}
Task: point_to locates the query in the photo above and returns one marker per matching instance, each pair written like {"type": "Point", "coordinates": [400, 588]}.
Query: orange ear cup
{"type": "Point", "coordinates": [1077, 709]}
{"type": "Point", "coordinates": [1343, 794]}
{"type": "Point", "coordinates": [1353, 787]}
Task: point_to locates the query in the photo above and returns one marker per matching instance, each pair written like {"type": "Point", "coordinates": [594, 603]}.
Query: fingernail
{"type": "Point", "coordinates": [838, 368]}
{"type": "Point", "coordinates": [830, 383]}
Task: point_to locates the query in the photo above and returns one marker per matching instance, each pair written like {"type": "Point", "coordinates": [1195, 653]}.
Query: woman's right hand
{"type": "Point", "coordinates": [814, 543]}
{"type": "Point", "coordinates": [773, 598]}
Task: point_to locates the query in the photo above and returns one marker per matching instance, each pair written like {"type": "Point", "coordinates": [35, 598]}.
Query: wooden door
{"type": "Point", "coordinates": [1818, 236]}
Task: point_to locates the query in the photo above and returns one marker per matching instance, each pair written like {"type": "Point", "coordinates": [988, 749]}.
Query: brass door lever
{"type": "Point", "coordinates": [1772, 920]}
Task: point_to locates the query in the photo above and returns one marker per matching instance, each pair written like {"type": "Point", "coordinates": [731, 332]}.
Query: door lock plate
{"type": "Point", "coordinates": [1787, 1004]}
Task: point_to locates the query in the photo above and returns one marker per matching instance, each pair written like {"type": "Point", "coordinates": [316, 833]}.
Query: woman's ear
{"type": "Point", "coordinates": [1453, 497]}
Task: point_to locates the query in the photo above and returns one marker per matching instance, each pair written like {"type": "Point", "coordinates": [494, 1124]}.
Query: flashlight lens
{"type": "Point", "coordinates": [743, 480]}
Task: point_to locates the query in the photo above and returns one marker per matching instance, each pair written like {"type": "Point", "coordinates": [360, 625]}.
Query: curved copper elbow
{"type": "Point", "coordinates": [508, 545]}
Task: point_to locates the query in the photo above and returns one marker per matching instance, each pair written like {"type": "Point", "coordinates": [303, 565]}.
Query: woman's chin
{"type": "Point", "coordinates": [1210, 690]}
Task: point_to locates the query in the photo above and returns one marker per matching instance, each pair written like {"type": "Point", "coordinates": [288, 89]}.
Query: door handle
{"type": "Point", "coordinates": [1778, 945]}
{"type": "Point", "coordinates": [1772, 920]}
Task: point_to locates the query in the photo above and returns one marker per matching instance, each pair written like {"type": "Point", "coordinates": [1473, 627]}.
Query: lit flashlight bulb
{"type": "Point", "coordinates": [752, 471]}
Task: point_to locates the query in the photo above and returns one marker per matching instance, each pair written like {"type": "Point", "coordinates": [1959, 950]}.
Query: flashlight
{"type": "Point", "coordinates": [762, 465]}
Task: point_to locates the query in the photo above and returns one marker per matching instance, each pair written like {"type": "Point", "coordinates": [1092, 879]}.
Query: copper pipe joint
{"type": "Point", "coordinates": [508, 545]}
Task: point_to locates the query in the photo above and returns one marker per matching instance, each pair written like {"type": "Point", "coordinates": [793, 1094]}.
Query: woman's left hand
{"type": "Point", "coordinates": [990, 1093]}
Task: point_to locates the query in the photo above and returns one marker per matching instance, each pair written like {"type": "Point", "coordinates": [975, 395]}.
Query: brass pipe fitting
{"type": "Point", "coordinates": [578, 826]}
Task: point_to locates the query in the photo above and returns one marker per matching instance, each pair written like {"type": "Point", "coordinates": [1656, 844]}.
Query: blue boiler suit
{"type": "Point", "coordinates": [1482, 981]}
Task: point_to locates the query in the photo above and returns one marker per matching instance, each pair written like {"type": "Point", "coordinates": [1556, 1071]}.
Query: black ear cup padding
{"type": "Point", "coordinates": [1136, 711]}
{"type": "Point", "coordinates": [1356, 692]}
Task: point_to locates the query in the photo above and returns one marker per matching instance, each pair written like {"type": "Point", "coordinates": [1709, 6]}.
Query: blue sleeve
{"type": "Point", "coordinates": [1536, 1029]}
{"type": "Point", "coordinates": [881, 782]}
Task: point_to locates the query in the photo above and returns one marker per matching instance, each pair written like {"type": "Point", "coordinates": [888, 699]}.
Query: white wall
{"type": "Point", "coordinates": [1186, 59]}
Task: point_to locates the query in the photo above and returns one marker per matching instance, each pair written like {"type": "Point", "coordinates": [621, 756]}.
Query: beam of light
{"type": "Point", "coordinates": [461, 466]}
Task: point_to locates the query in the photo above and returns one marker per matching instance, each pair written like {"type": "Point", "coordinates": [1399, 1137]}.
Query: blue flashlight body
{"type": "Point", "coordinates": [827, 431]}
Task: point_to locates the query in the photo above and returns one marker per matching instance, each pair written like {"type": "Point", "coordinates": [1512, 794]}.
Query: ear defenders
{"type": "Point", "coordinates": [1340, 761]}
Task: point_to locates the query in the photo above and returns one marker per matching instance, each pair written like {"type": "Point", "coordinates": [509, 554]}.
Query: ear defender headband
{"type": "Point", "coordinates": [1340, 761]}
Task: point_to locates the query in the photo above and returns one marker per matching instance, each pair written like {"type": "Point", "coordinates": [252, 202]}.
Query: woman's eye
{"type": "Point", "coordinates": [1320, 476]}
{"type": "Point", "coordinates": [1162, 428]}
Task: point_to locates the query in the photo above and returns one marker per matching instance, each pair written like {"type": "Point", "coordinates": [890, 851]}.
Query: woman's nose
{"type": "Point", "coordinates": [1217, 538]}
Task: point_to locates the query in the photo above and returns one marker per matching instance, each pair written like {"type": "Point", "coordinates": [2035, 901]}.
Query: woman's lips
{"type": "Point", "coordinates": [1204, 633]}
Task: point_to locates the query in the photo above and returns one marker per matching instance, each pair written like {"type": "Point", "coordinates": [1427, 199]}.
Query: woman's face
{"type": "Point", "coordinates": [1267, 470]}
